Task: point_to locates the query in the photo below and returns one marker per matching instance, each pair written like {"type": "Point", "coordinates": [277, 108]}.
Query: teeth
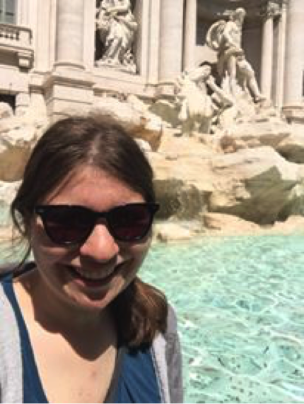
{"type": "Point", "coordinates": [93, 275]}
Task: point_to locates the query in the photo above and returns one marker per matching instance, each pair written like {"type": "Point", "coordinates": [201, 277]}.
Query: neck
{"type": "Point", "coordinates": [54, 312]}
{"type": "Point", "coordinates": [88, 332]}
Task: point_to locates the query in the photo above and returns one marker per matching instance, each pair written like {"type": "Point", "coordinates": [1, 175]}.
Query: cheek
{"type": "Point", "coordinates": [139, 253]}
{"type": "Point", "coordinates": [44, 251]}
{"type": "Point", "coordinates": [38, 236]}
{"type": "Point", "coordinates": [136, 253]}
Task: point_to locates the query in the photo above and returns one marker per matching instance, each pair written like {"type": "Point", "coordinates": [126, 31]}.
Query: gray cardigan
{"type": "Point", "coordinates": [166, 357]}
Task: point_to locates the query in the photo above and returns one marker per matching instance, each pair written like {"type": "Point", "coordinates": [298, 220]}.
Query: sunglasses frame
{"type": "Point", "coordinates": [42, 212]}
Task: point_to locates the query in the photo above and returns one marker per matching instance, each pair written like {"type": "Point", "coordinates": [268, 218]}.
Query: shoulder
{"type": "Point", "coordinates": [4, 269]}
{"type": "Point", "coordinates": [168, 361]}
{"type": "Point", "coordinates": [7, 317]}
{"type": "Point", "coordinates": [173, 346]}
{"type": "Point", "coordinates": [171, 321]}
{"type": "Point", "coordinates": [10, 269]}
{"type": "Point", "coordinates": [10, 353]}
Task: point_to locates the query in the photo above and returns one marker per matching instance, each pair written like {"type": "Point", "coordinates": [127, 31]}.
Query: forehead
{"type": "Point", "coordinates": [89, 185]}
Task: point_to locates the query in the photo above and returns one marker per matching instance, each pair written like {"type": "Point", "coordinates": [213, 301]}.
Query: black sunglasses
{"type": "Point", "coordinates": [68, 224]}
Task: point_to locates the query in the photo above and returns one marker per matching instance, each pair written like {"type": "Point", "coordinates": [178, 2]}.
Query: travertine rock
{"type": "Point", "coordinates": [7, 193]}
{"type": "Point", "coordinates": [167, 111]}
{"type": "Point", "coordinates": [15, 148]}
{"type": "Point", "coordinates": [141, 123]}
{"type": "Point", "coordinates": [255, 134]}
{"type": "Point", "coordinates": [295, 205]}
{"type": "Point", "coordinates": [145, 146]}
{"type": "Point", "coordinates": [203, 145]}
{"type": "Point", "coordinates": [294, 224]}
{"type": "Point", "coordinates": [179, 199]}
{"type": "Point", "coordinates": [33, 118]}
{"type": "Point", "coordinates": [6, 110]}
{"type": "Point", "coordinates": [255, 184]}
{"type": "Point", "coordinates": [8, 124]}
{"type": "Point", "coordinates": [292, 147]}
{"type": "Point", "coordinates": [194, 180]}
{"type": "Point", "coordinates": [175, 231]}
{"type": "Point", "coordinates": [183, 184]}
{"type": "Point", "coordinates": [228, 223]}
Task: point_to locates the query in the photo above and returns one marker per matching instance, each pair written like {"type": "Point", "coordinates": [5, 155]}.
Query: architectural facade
{"type": "Point", "coordinates": [52, 52]}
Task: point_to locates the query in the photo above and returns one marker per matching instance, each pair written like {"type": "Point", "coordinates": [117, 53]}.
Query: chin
{"type": "Point", "coordinates": [93, 300]}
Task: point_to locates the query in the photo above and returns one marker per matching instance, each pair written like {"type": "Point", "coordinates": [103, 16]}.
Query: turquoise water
{"type": "Point", "coordinates": [239, 302]}
{"type": "Point", "coordinates": [240, 305]}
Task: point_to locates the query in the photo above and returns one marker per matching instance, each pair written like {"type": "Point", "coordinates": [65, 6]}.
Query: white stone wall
{"type": "Point", "coordinates": [54, 58]}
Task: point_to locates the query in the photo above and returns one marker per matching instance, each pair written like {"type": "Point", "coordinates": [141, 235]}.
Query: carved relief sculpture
{"type": "Point", "coordinates": [225, 37]}
{"type": "Point", "coordinates": [201, 100]}
{"type": "Point", "coordinates": [116, 27]}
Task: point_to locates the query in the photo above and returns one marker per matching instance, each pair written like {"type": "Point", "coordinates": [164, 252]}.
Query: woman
{"type": "Point", "coordinates": [81, 323]}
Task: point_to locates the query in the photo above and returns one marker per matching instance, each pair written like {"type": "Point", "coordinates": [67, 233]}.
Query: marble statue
{"type": "Point", "coordinates": [116, 27]}
{"type": "Point", "coordinates": [225, 37]}
{"type": "Point", "coordinates": [201, 100]}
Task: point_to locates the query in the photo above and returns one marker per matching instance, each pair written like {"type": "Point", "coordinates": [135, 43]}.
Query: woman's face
{"type": "Point", "coordinates": [92, 274]}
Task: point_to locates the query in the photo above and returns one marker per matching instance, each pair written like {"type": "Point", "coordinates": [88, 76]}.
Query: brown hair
{"type": "Point", "coordinates": [140, 310]}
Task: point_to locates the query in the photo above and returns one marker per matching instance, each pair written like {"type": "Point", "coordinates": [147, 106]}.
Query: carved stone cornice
{"type": "Point", "coordinates": [216, 9]}
{"type": "Point", "coordinates": [255, 9]}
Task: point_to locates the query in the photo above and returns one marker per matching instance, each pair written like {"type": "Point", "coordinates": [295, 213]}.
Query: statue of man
{"type": "Point", "coordinates": [225, 37]}
{"type": "Point", "coordinates": [117, 27]}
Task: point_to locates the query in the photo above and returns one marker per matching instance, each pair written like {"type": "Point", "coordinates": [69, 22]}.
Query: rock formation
{"type": "Point", "coordinates": [133, 115]}
{"type": "Point", "coordinates": [244, 176]}
{"type": "Point", "coordinates": [18, 135]}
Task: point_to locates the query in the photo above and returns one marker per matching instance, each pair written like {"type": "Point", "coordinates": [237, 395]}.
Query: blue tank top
{"type": "Point", "coordinates": [134, 379]}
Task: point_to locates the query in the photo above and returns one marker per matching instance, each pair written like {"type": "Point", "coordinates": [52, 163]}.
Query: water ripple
{"type": "Point", "coordinates": [241, 316]}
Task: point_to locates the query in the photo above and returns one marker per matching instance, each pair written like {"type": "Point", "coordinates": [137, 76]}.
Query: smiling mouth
{"type": "Point", "coordinates": [94, 278]}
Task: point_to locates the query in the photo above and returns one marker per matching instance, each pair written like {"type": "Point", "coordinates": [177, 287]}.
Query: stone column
{"type": "Point", "coordinates": [294, 53]}
{"type": "Point", "coordinates": [267, 53]}
{"type": "Point", "coordinates": [69, 34]}
{"type": "Point", "coordinates": [190, 34]}
{"type": "Point", "coordinates": [69, 87]}
{"type": "Point", "coordinates": [281, 55]}
{"type": "Point", "coordinates": [23, 9]}
{"type": "Point", "coordinates": [22, 103]}
{"type": "Point", "coordinates": [142, 16]}
{"type": "Point", "coordinates": [153, 40]}
{"type": "Point", "coordinates": [89, 33]}
{"type": "Point", "coordinates": [44, 54]}
{"type": "Point", "coordinates": [171, 39]}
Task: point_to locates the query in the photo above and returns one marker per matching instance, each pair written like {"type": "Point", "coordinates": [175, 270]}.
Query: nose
{"type": "Point", "coordinates": [100, 245]}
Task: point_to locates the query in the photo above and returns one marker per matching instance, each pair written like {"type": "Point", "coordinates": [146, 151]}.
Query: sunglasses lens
{"type": "Point", "coordinates": [73, 224]}
{"type": "Point", "coordinates": [131, 222]}
{"type": "Point", "coordinates": [67, 224]}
